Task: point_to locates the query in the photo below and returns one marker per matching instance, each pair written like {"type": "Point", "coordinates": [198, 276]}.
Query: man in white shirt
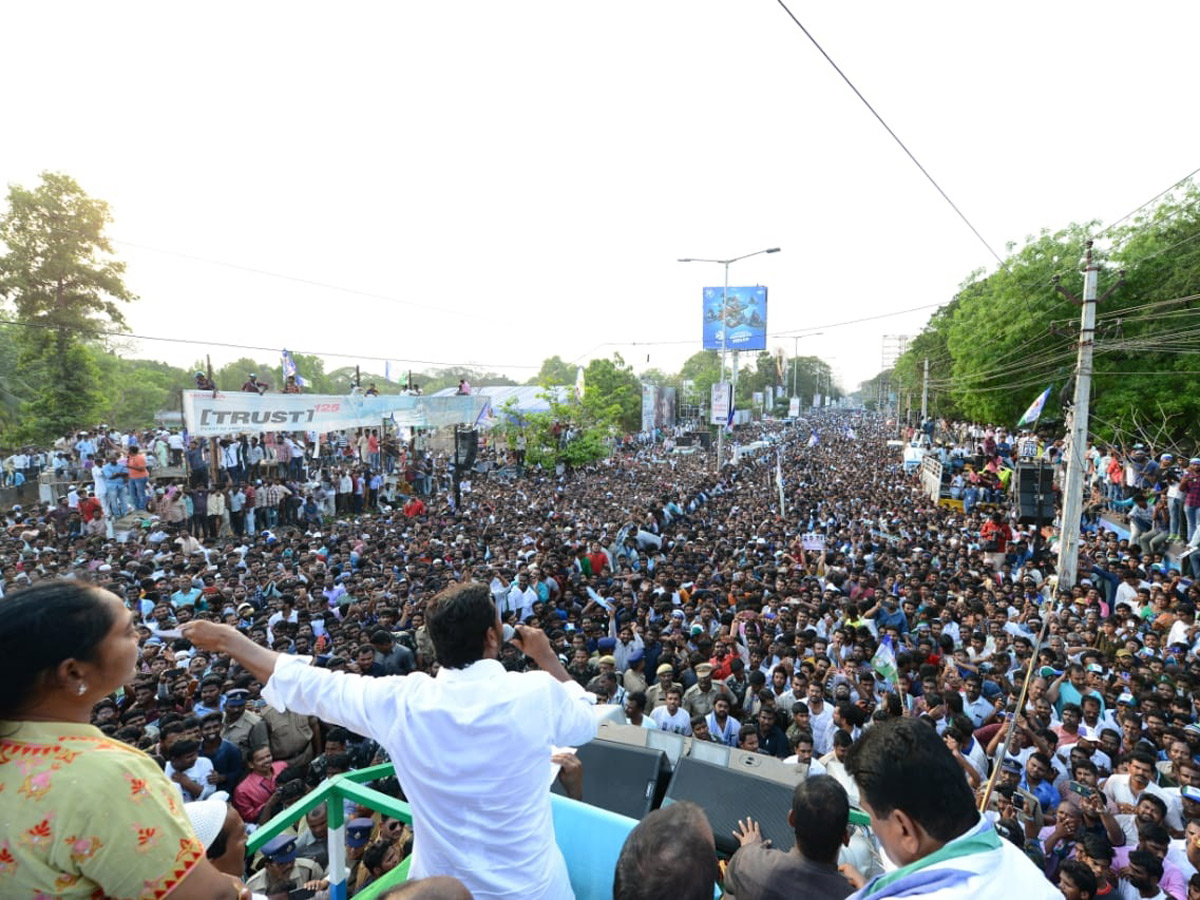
{"type": "Point", "coordinates": [481, 807]}
{"type": "Point", "coordinates": [189, 770]}
{"type": "Point", "coordinates": [1126, 790]}
{"type": "Point", "coordinates": [669, 716]}
{"type": "Point", "coordinates": [521, 597]}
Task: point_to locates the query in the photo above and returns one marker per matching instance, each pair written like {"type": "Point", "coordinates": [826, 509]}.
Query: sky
{"type": "Point", "coordinates": [489, 184]}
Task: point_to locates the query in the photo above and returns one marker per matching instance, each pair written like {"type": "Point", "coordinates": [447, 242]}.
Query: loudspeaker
{"type": "Point", "coordinates": [727, 794]}
{"type": "Point", "coordinates": [704, 438]}
{"type": "Point", "coordinates": [1033, 493]}
{"type": "Point", "coordinates": [466, 445]}
{"type": "Point", "coordinates": [621, 778]}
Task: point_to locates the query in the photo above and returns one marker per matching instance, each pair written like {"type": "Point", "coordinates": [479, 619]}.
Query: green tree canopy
{"type": "Point", "coordinates": [58, 275]}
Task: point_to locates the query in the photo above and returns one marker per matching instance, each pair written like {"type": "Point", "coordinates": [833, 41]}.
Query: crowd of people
{"type": "Point", "coordinates": [689, 598]}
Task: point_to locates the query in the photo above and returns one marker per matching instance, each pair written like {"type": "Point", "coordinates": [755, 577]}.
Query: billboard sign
{"type": "Point", "coordinates": [744, 325]}
{"type": "Point", "coordinates": [647, 407]}
{"type": "Point", "coordinates": [722, 400]}
{"type": "Point", "coordinates": [794, 407]}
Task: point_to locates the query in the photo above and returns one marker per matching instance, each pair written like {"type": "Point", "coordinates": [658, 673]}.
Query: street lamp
{"type": "Point", "coordinates": [796, 352]}
{"type": "Point", "coordinates": [724, 326]}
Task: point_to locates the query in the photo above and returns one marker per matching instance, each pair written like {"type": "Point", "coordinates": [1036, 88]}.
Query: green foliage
{"type": "Point", "coordinates": [592, 432]}
{"type": "Point", "coordinates": [613, 394]}
{"type": "Point", "coordinates": [57, 274]}
{"type": "Point", "coordinates": [1006, 337]}
{"type": "Point", "coordinates": [554, 372]}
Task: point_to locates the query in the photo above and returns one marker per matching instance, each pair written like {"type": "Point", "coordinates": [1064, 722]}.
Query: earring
{"type": "Point", "coordinates": [82, 689]}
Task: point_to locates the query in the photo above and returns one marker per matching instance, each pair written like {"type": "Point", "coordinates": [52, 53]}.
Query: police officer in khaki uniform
{"type": "Point", "coordinates": [242, 728]}
{"type": "Point", "coordinates": [283, 865]}
{"type": "Point", "coordinates": [656, 694]}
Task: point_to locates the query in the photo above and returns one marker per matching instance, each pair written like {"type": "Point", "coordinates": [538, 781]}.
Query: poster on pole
{"type": "Point", "coordinates": [756, 397]}
{"type": "Point", "coordinates": [793, 407]}
{"type": "Point", "coordinates": [744, 324]}
{"type": "Point", "coordinates": [648, 406]}
{"type": "Point", "coordinates": [722, 401]}
{"type": "Point", "coordinates": [816, 401]}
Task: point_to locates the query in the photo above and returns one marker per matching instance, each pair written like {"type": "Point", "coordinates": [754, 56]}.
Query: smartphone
{"type": "Point", "coordinates": [1081, 789]}
{"type": "Point", "coordinates": [1018, 802]}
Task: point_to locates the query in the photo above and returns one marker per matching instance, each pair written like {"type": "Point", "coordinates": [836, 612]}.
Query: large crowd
{"type": "Point", "coordinates": [686, 596]}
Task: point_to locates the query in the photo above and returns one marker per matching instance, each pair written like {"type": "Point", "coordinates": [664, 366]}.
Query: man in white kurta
{"type": "Point", "coordinates": [472, 752]}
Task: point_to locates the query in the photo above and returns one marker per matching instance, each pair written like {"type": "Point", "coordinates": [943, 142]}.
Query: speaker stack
{"type": "Point", "coordinates": [1033, 493]}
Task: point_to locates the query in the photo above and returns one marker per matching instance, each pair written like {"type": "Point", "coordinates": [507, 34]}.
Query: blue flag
{"type": "Point", "coordinates": [289, 368]}
{"type": "Point", "coordinates": [1035, 408]}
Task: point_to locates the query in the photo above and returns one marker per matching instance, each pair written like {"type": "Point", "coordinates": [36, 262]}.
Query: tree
{"type": "Point", "coordinates": [612, 393]}
{"type": "Point", "coordinates": [554, 372]}
{"type": "Point", "coordinates": [231, 376]}
{"type": "Point", "coordinates": [62, 283]}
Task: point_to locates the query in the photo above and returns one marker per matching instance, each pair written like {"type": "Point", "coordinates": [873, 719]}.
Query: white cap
{"type": "Point", "coordinates": [208, 817]}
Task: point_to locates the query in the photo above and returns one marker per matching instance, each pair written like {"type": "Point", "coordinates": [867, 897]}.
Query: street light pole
{"type": "Point", "coordinates": [724, 328]}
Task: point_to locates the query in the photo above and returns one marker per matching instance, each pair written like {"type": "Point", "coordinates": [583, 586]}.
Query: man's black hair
{"type": "Point", "coordinates": [458, 620]}
{"type": "Point", "coordinates": [903, 764]}
{"type": "Point", "coordinates": [667, 854]}
{"type": "Point", "coordinates": [820, 814]}
{"type": "Point", "coordinates": [182, 748]}
{"type": "Point", "coordinates": [1097, 847]}
{"type": "Point", "coordinates": [1148, 861]}
{"type": "Point", "coordinates": [1081, 875]}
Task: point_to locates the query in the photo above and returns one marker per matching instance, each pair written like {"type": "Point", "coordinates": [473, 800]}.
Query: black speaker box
{"type": "Point", "coordinates": [727, 795]}
{"type": "Point", "coordinates": [1033, 493]}
{"type": "Point", "coordinates": [621, 778]}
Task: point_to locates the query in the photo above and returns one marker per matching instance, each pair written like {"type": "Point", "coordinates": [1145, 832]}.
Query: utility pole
{"type": "Point", "coordinates": [925, 393]}
{"type": "Point", "coordinates": [1068, 544]}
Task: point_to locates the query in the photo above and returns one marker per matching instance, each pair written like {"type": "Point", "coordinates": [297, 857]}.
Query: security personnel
{"type": "Point", "coordinates": [283, 865]}
{"type": "Point", "coordinates": [243, 729]}
{"type": "Point", "coordinates": [656, 694]}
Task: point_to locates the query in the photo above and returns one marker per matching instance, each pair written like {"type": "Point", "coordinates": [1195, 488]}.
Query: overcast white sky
{"type": "Point", "coordinates": [517, 179]}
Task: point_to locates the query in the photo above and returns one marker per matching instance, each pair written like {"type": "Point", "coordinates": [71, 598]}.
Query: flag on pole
{"type": "Point", "coordinates": [289, 369]}
{"type": "Point", "coordinates": [884, 660]}
{"type": "Point", "coordinates": [1035, 408]}
{"type": "Point", "coordinates": [579, 385]}
{"type": "Point", "coordinates": [487, 406]}
{"type": "Point", "coordinates": [779, 481]}
{"type": "Point", "coordinates": [729, 420]}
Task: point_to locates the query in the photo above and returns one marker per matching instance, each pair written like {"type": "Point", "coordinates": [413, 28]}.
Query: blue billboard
{"type": "Point", "coordinates": [744, 324]}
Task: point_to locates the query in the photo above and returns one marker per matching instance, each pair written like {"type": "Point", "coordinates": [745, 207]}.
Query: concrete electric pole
{"type": "Point", "coordinates": [1076, 449]}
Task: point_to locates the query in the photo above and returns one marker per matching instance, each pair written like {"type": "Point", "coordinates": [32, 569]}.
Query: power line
{"type": "Point", "coordinates": [229, 346]}
{"type": "Point", "coordinates": [441, 309]}
{"type": "Point", "coordinates": [888, 128]}
{"type": "Point", "coordinates": [1140, 206]}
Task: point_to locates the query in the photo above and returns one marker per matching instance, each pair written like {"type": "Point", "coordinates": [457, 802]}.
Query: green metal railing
{"type": "Point", "coordinates": [333, 792]}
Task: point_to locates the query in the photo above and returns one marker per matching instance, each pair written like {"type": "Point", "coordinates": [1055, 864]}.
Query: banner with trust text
{"type": "Point", "coordinates": [214, 413]}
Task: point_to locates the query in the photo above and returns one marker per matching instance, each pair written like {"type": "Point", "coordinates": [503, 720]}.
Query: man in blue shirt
{"type": "Point", "coordinates": [115, 476]}
{"type": "Point", "coordinates": [886, 613]}
{"type": "Point", "coordinates": [1036, 780]}
{"type": "Point", "coordinates": [186, 594]}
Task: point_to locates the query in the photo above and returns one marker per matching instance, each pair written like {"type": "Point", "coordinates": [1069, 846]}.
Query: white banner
{"type": "Point", "coordinates": [214, 413]}
{"type": "Point", "coordinates": [722, 397]}
{"type": "Point", "coordinates": [812, 540]}
{"type": "Point", "coordinates": [793, 407]}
